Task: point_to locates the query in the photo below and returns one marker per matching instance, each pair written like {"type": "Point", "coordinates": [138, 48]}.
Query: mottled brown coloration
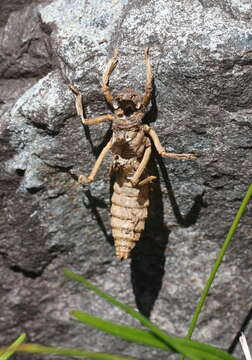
{"type": "Point", "coordinates": [131, 150]}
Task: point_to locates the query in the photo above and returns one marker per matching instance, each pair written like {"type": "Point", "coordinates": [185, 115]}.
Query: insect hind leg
{"type": "Point", "coordinates": [147, 180]}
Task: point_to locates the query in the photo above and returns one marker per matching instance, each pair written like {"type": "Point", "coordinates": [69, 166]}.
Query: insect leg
{"type": "Point", "coordinates": [78, 101]}
{"type": "Point", "coordinates": [80, 110]}
{"type": "Point", "coordinates": [105, 79]}
{"type": "Point", "coordinates": [147, 180]}
{"type": "Point", "coordinates": [149, 79]}
{"type": "Point", "coordinates": [152, 133]}
{"type": "Point", "coordinates": [91, 177]}
{"type": "Point", "coordinates": [136, 177]}
{"type": "Point", "coordinates": [98, 119]}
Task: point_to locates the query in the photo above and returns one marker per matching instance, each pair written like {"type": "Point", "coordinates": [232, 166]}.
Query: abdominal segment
{"type": "Point", "coordinates": [128, 214]}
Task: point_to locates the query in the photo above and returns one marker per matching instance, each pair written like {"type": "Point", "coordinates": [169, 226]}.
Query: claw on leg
{"type": "Point", "coordinates": [73, 89]}
{"type": "Point", "coordinates": [85, 179]}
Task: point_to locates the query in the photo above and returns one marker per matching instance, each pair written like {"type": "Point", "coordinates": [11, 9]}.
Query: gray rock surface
{"type": "Point", "coordinates": [202, 61]}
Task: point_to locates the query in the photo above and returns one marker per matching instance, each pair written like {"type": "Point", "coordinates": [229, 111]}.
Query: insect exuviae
{"type": "Point", "coordinates": [131, 146]}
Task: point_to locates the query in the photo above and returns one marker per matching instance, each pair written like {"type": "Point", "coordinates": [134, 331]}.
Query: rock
{"type": "Point", "coordinates": [201, 56]}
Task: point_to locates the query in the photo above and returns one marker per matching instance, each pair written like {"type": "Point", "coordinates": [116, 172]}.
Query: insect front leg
{"type": "Point", "coordinates": [152, 133]}
{"type": "Point", "coordinates": [91, 177]}
{"type": "Point", "coordinates": [80, 109]}
{"type": "Point", "coordinates": [149, 79]}
{"type": "Point", "coordinates": [106, 75]}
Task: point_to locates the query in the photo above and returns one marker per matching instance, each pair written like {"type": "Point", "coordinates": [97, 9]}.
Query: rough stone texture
{"type": "Point", "coordinates": [201, 55]}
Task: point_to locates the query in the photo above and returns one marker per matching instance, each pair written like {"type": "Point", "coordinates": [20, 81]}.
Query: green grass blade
{"type": "Point", "coordinates": [143, 320]}
{"type": "Point", "coordinates": [124, 332]}
{"type": "Point", "coordinates": [199, 350]}
{"type": "Point", "coordinates": [218, 262]}
{"type": "Point", "coordinates": [12, 348]}
{"type": "Point", "coordinates": [191, 352]}
{"type": "Point", "coordinates": [40, 349]}
{"type": "Point", "coordinates": [196, 350]}
{"type": "Point", "coordinates": [205, 351]}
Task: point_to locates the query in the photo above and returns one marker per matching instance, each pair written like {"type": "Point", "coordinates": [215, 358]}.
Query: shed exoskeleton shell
{"type": "Point", "coordinates": [130, 145]}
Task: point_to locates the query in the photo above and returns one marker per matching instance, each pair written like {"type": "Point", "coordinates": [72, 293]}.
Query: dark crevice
{"type": "Point", "coordinates": [59, 249]}
{"type": "Point", "coordinates": [3, 255]}
{"type": "Point", "coordinates": [56, 196]}
{"type": "Point", "coordinates": [34, 190]}
{"type": "Point", "coordinates": [38, 125]}
{"type": "Point", "coordinates": [44, 127]}
{"type": "Point", "coordinates": [244, 147]}
{"type": "Point", "coordinates": [20, 172]}
{"type": "Point", "coordinates": [74, 176]}
{"type": "Point", "coordinates": [60, 168]}
{"type": "Point", "coordinates": [45, 28]}
{"type": "Point", "coordinates": [27, 273]}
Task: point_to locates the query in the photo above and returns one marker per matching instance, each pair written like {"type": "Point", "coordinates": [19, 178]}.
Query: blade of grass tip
{"type": "Point", "coordinates": [40, 349]}
{"type": "Point", "coordinates": [12, 348]}
{"type": "Point", "coordinates": [218, 262]}
{"type": "Point", "coordinates": [143, 320]}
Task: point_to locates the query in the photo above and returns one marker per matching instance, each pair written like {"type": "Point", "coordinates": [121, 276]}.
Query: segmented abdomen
{"type": "Point", "coordinates": [128, 214]}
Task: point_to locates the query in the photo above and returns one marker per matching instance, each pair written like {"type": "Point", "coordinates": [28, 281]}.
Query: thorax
{"type": "Point", "coordinates": [128, 142]}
